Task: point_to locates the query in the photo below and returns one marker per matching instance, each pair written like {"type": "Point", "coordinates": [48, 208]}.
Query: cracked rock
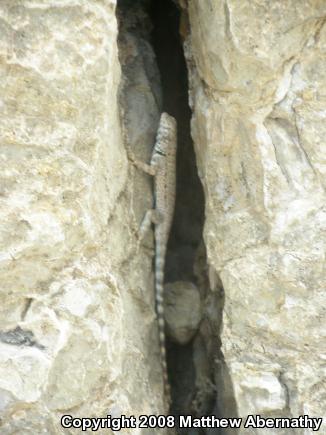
{"type": "Point", "coordinates": [183, 311]}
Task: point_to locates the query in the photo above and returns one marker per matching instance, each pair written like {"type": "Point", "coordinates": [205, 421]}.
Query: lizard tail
{"type": "Point", "coordinates": [159, 291]}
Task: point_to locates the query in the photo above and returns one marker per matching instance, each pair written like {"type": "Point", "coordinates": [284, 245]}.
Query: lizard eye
{"type": "Point", "coordinates": [160, 152]}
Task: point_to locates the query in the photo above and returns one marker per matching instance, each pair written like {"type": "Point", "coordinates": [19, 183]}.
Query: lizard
{"type": "Point", "coordinates": [163, 168]}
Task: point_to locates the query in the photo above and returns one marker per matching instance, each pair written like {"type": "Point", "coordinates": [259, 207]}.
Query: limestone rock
{"type": "Point", "coordinates": [69, 285]}
{"type": "Point", "coordinates": [257, 77]}
{"type": "Point", "coordinates": [183, 310]}
{"type": "Point", "coordinates": [258, 389]}
{"type": "Point", "coordinates": [78, 329]}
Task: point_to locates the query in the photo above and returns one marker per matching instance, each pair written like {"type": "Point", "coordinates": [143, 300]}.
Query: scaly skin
{"type": "Point", "coordinates": [163, 168]}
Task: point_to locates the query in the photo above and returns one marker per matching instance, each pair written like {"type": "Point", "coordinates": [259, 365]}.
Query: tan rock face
{"type": "Point", "coordinates": [78, 332]}
{"type": "Point", "coordinates": [69, 302]}
{"type": "Point", "coordinates": [258, 83]}
{"type": "Point", "coordinates": [183, 311]}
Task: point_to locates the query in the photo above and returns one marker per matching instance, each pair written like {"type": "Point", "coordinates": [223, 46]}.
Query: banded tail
{"type": "Point", "coordinates": [159, 297]}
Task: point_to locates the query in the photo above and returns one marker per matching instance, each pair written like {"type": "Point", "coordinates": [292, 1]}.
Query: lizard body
{"type": "Point", "coordinates": [163, 168]}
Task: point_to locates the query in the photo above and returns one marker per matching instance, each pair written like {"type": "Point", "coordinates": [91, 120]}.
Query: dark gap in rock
{"type": "Point", "coordinates": [198, 376]}
{"type": "Point", "coordinates": [191, 366]}
{"type": "Point", "coordinates": [186, 232]}
{"type": "Point", "coordinates": [200, 382]}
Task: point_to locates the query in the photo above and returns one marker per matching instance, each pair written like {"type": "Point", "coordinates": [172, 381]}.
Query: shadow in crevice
{"type": "Point", "coordinates": [199, 378]}
{"type": "Point", "coordinates": [200, 381]}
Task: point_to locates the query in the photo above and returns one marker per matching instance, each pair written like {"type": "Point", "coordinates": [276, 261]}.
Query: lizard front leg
{"type": "Point", "coordinates": [149, 169]}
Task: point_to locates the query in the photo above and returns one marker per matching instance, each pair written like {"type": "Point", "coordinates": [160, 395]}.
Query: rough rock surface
{"type": "Point", "coordinates": [71, 292]}
{"type": "Point", "coordinates": [78, 332]}
{"type": "Point", "coordinates": [183, 310]}
{"type": "Point", "coordinates": [257, 73]}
